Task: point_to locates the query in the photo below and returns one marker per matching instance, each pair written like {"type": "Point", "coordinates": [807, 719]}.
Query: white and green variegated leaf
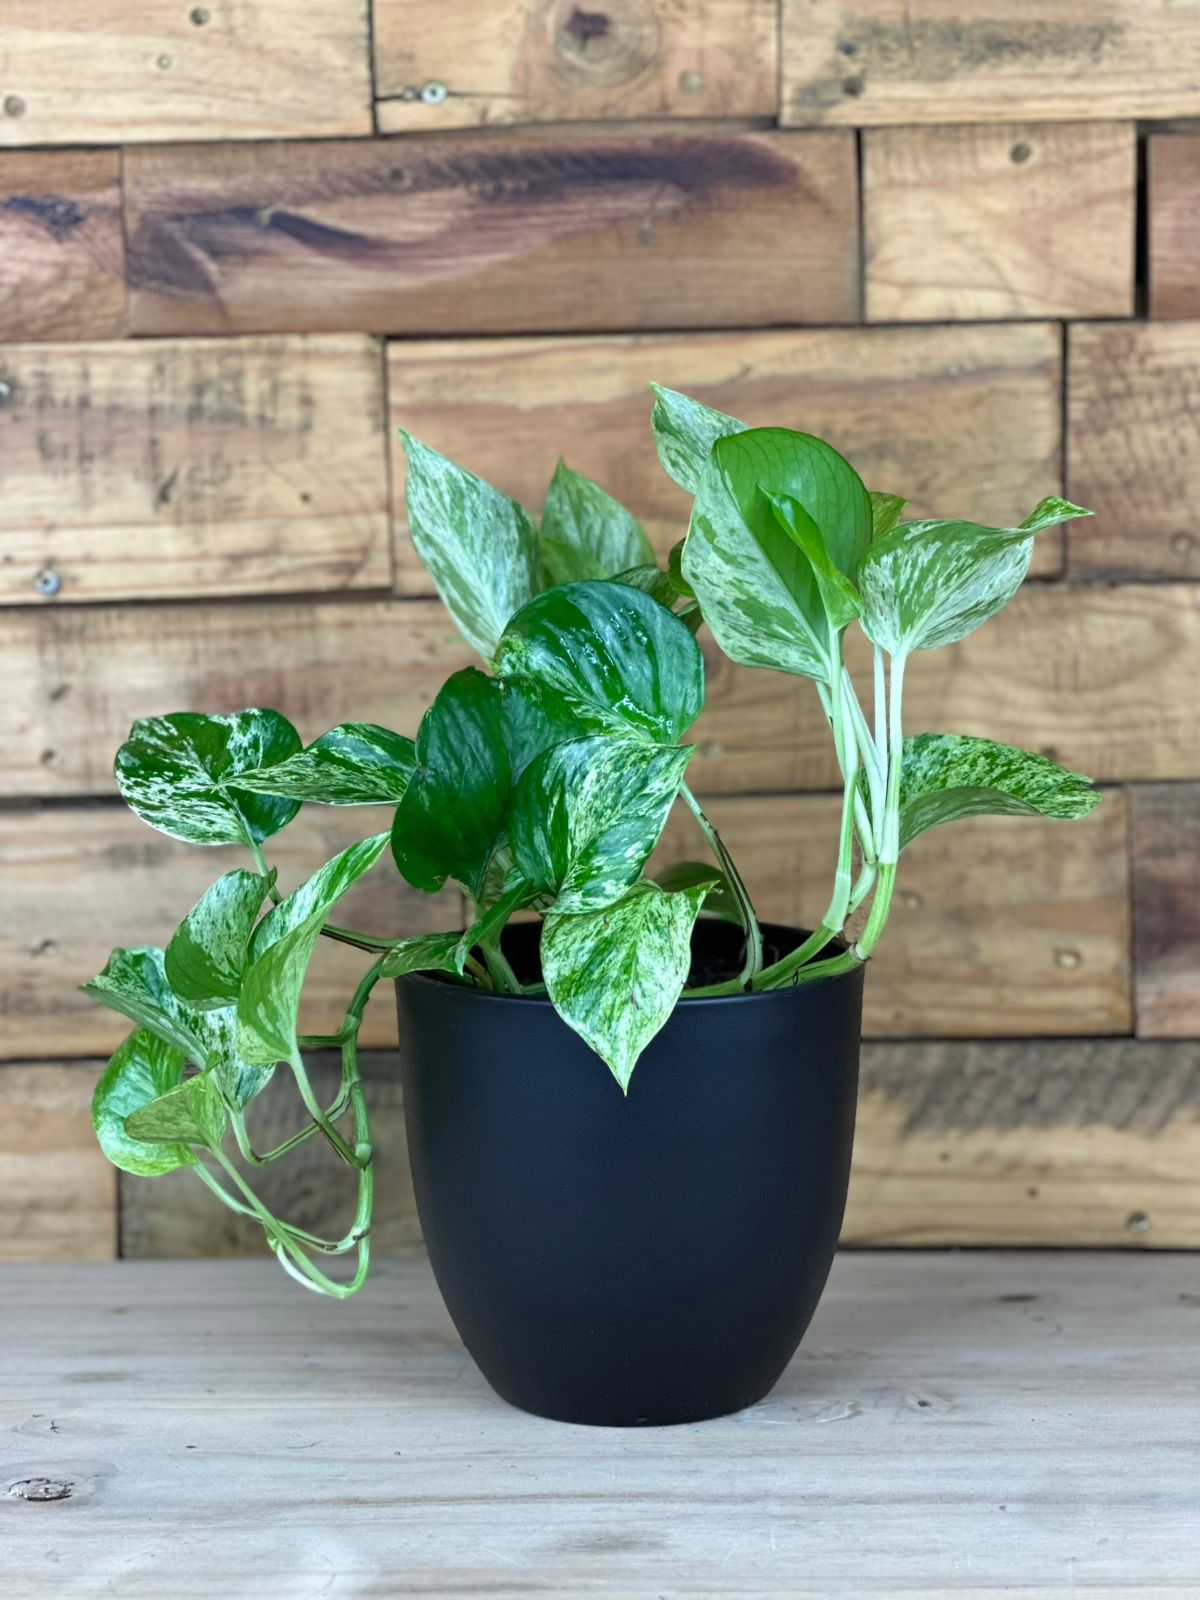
{"type": "Point", "coordinates": [143, 1069]}
{"type": "Point", "coordinates": [587, 534]}
{"type": "Point", "coordinates": [479, 547]}
{"type": "Point", "coordinates": [354, 764]}
{"type": "Point", "coordinates": [928, 584]}
{"type": "Point", "coordinates": [318, 894]}
{"type": "Point", "coordinates": [684, 433]}
{"type": "Point", "coordinates": [535, 718]}
{"type": "Point", "coordinates": [207, 953]}
{"type": "Point", "coordinates": [428, 952]}
{"type": "Point", "coordinates": [620, 659]}
{"type": "Point", "coordinates": [885, 512]}
{"type": "Point", "coordinates": [651, 580]}
{"type": "Point", "coordinates": [179, 773]}
{"type": "Point", "coordinates": [614, 976]}
{"type": "Point", "coordinates": [192, 1113]}
{"type": "Point", "coordinates": [587, 814]}
{"type": "Point", "coordinates": [948, 776]}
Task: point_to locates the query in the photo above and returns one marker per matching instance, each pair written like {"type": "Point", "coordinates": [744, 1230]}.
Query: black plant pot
{"type": "Point", "coordinates": [632, 1260]}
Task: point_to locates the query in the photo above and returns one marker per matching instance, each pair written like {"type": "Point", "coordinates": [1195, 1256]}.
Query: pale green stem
{"type": "Point", "coordinates": [500, 970]}
{"type": "Point", "coordinates": [264, 871]}
{"type": "Point", "coordinates": [890, 841]}
{"type": "Point", "coordinates": [753, 962]}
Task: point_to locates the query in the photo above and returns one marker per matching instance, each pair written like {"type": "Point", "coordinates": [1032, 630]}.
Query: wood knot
{"type": "Point", "coordinates": [40, 1490]}
{"type": "Point", "coordinates": [613, 42]}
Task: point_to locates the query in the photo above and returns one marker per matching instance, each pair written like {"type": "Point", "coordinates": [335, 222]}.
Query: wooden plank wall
{"type": "Point", "coordinates": [238, 244]}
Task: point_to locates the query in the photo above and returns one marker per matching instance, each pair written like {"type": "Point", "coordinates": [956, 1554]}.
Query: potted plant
{"type": "Point", "coordinates": [614, 1247]}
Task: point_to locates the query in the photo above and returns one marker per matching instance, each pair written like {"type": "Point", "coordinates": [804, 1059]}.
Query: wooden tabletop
{"type": "Point", "coordinates": [968, 1425]}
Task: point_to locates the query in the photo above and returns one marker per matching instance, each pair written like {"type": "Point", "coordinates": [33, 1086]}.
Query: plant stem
{"type": "Point", "coordinates": [499, 969]}
{"type": "Point", "coordinates": [754, 951]}
{"type": "Point", "coordinates": [264, 871]}
{"type": "Point", "coordinates": [889, 849]}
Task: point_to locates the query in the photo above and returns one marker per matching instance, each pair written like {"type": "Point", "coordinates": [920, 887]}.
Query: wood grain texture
{"type": "Point", "coordinates": [931, 1390]}
{"type": "Point", "coordinates": [58, 1194]}
{"type": "Point", "coordinates": [136, 471]}
{"type": "Point", "coordinates": [1173, 217]}
{"type": "Point", "coordinates": [75, 73]}
{"type": "Point", "coordinates": [866, 62]}
{"type": "Point", "coordinates": [567, 228]}
{"type": "Point", "coordinates": [1166, 910]}
{"type": "Point", "coordinates": [1070, 1142]}
{"type": "Point", "coordinates": [997, 928]}
{"type": "Point", "coordinates": [79, 882]}
{"type": "Point", "coordinates": [1021, 220]}
{"type": "Point", "coordinates": [526, 61]}
{"type": "Point", "coordinates": [62, 251]}
{"type": "Point", "coordinates": [1102, 679]}
{"type": "Point", "coordinates": [1133, 406]}
{"type": "Point", "coordinates": [964, 421]}
{"type": "Point", "coordinates": [176, 1216]}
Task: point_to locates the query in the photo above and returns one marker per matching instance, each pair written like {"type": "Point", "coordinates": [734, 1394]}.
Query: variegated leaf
{"type": "Point", "coordinates": [354, 764]}
{"type": "Point", "coordinates": [317, 894]}
{"type": "Point", "coordinates": [587, 534]}
{"type": "Point", "coordinates": [885, 512]}
{"type": "Point", "coordinates": [191, 1113]}
{"type": "Point", "coordinates": [684, 434]}
{"type": "Point", "coordinates": [207, 953]}
{"type": "Point", "coordinates": [948, 776]}
{"type": "Point", "coordinates": [144, 1068]}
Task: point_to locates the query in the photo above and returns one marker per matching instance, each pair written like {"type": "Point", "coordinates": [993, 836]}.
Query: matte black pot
{"type": "Point", "coordinates": [639, 1260]}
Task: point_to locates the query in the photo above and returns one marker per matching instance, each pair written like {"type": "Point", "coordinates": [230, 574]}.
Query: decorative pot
{"type": "Point", "coordinates": [642, 1259]}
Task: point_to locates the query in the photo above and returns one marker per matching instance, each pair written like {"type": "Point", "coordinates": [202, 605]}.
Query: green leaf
{"type": "Point", "coordinates": [207, 953]}
{"type": "Point", "coordinates": [614, 976]}
{"type": "Point", "coordinates": [839, 597]}
{"type": "Point", "coordinates": [537, 718]}
{"type": "Point", "coordinates": [1048, 513]}
{"type": "Point", "coordinates": [586, 533]}
{"type": "Point", "coordinates": [354, 764]}
{"type": "Point", "coordinates": [885, 513]}
{"type": "Point", "coordinates": [192, 1113]}
{"type": "Point", "coordinates": [684, 434]}
{"type": "Point", "coordinates": [428, 952]}
{"type": "Point", "coordinates": [947, 776]}
{"type": "Point", "coordinates": [479, 547]}
{"type": "Point", "coordinates": [719, 897]}
{"type": "Point", "coordinates": [619, 658]}
{"type": "Point", "coordinates": [650, 580]}
{"type": "Point", "coordinates": [143, 1069]}
{"type": "Point", "coordinates": [756, 585]}
{"type": "Point", "coordinates": [318, 894]}
{"type": "Point", "coordinates": [134, 982]}
{"type": "Point", "coordinates": [927, 584]}
{"type": "Point", "coordinates": [587, 814]}
{"type": "Point", "coordinates": [679, 583]}
{"type": "Point", "coordinates": [515, 895]}
{"type": "Point", "coordinates": [179, 774]}
{"type": "Point", "coordinates": [453, 816]}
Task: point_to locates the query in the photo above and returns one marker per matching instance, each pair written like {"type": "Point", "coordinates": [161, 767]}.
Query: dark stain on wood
{"type": "Point", "coordinates": [584, 26]}
{"type": "Point", "coordinates": [59, 216]}
{"type": "Point", "coordinates": [1166, 908]}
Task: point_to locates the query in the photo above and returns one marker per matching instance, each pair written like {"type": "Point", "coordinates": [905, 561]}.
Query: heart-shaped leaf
{"type": "Point", "coordinates": [586, 533]}
{"type": "Point", "coordinates": [947, 776]}
{"type": "Point", "coordinates": [192, 1113]}
{"type": "Point", "coordinates": [354, 764]}
{"type": "Point", "coordinates": [618, 657]}
{"type": "Point", "coordinates": [479, 547]}
{"type": "Point", "coordinates": [318, 894]}
{"type": "Point", "coordinates": [587, 814]}
{"type": "Point", "coordinates": [614, 976]}
{"type": "Point", "coordinates": [453, 816]}
{"type": "Point", "coordinates": [143, 1069]}
{"type": "Point", "coordinates": [207, 953]}
{"type": "Point", "coordinates": [684, 433]}
{"type": "Point", "coordinates": [179, 773]}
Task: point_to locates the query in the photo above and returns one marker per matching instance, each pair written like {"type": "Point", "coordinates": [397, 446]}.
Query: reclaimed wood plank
{"type": "Point", "coordinates": [176, 1216]}
{"type": "Point", "coordinates": [207, 466]}
{"type": "Point", "coordinates": [1027, 1142]}
{"type": "Point", "coordinates": [62, 250]}
{"type": "Point", "coordinates": [1165, 837]}
{"type": "Point", "coordinates": [58, 1194]}
{"type": "Point", "coordinates": [564, 228]}
{"type": "Point", "coordinates": [963, 420]}
{"type": "Point", "coordinates": [993, 931]}
{"type": "Point", "coordinates": [75, 73]}
{"type": "Point", "coordinates": [1133, 433]}
{"type": "Point", "coordinates": [1173, 221]}
{"type": "Point", "coordinates": [77, 883]}
{"type": "Point", "coordinates": [868, 62]}
{"type": "Point", "coordinates": [931, 1390]}
{"type": "Point", "coordinates": [483, 63]}
{"type": "Point", "coordinates": [1099, 678]}
{"type": "Point", "coordinates": [1010, 220]}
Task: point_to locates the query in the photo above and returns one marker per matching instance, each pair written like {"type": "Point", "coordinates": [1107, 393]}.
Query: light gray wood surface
{"type": "Point", "coordinates": [976, 1425]}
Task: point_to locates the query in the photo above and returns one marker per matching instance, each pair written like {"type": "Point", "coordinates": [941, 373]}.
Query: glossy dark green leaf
{"type": "Point", "coordinates": [685, 432]}
{"type": "Point", "coordinates": [719, 898]}
{"type": "Point", "coordinates": [587, 814]}
{"type": "Point", "coordinates": [354, 764]}
{"type": "Point", "coordinates": [839, 597]}
{"type": "Point", "coordinates": [179, 773]}
{"type": "Point", "coordinates": [614, 976]}
{"type": "Point", "coordinates": [192, 1113]}
{"type": "Point", "coordinates": [317, 894]}
{"type": "Point", "coordinates": [679, 583]}
{"type": "Point", "coordinates": [479, 547]}
{"type": "Point", "coordinates": [756, 586]}
{"type": "Point", "coordinates": [948, 776]}
{"type": "Point", "coordinates": [927, 584]}
{"type": "Point", "coordinates": [885, 513]}
{"type": "Point", "coordinates": [586, 533]}
{"type": "Point", "coordinates": [143, 1069]}
{"type": "Point", "coordinates": [207, 953]}
{"type": "Point", "coordinates": [453, 816]}
{"type": "Point", "coordinates": [617, 656]}
{"type": "Point", "coordinates": [537, 718]}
